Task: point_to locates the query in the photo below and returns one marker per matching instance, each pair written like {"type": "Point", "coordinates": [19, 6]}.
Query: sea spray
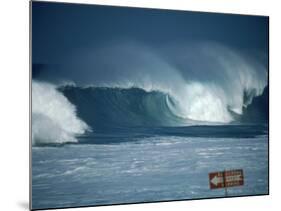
{"type": "Point", "coordinates": [54, 118]}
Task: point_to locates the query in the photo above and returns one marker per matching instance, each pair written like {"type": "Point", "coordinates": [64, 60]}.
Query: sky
{"type": "Point", "coordinates": [73, 41]}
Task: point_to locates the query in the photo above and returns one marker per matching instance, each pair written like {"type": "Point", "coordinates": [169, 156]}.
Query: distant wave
{"type": "Point", "coordinates": [54, 118]}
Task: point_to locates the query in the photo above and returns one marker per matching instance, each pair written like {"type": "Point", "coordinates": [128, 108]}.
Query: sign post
{"type": "Point", "coordinates": [224, 184]}
{"type": "Point", "coordinates": [225, 179]}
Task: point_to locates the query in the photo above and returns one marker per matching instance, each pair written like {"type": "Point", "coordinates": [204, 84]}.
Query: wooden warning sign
{"type": "Point", "coordinates": [225, 179]}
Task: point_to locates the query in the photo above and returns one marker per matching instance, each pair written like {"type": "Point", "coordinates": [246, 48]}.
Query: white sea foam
{"type": "Point", "coordinates": [54, 118]}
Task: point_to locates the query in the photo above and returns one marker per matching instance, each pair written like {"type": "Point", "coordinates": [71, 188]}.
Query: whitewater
{"type": "Point", "coordinates": [145, 169]}
{"type": "Point", "coordinates": [53, 116]}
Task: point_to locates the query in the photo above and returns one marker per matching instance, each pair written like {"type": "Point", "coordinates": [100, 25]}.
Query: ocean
{"type": "Point", "coordinates": [101, 146]}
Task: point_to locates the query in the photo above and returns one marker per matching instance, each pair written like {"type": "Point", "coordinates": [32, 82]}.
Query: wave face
{"type": "Point", "coordinates": [104, 107]}
{"type": "Point", "coordinates": [54, 118]}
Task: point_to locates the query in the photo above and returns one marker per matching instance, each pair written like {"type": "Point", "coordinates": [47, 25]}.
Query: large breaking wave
{"type": "Point", "coordinates": [208, 85]}
{"type": "Point", "coordinates": [206, 81]}
{"type": "Point", "coordinates": [55, 119]}
{"type": "Point", "coordinates": [113, 107]}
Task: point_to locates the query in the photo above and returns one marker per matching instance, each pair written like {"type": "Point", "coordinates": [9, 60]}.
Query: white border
{"type": "Point", "coordinates": [14, 49]}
